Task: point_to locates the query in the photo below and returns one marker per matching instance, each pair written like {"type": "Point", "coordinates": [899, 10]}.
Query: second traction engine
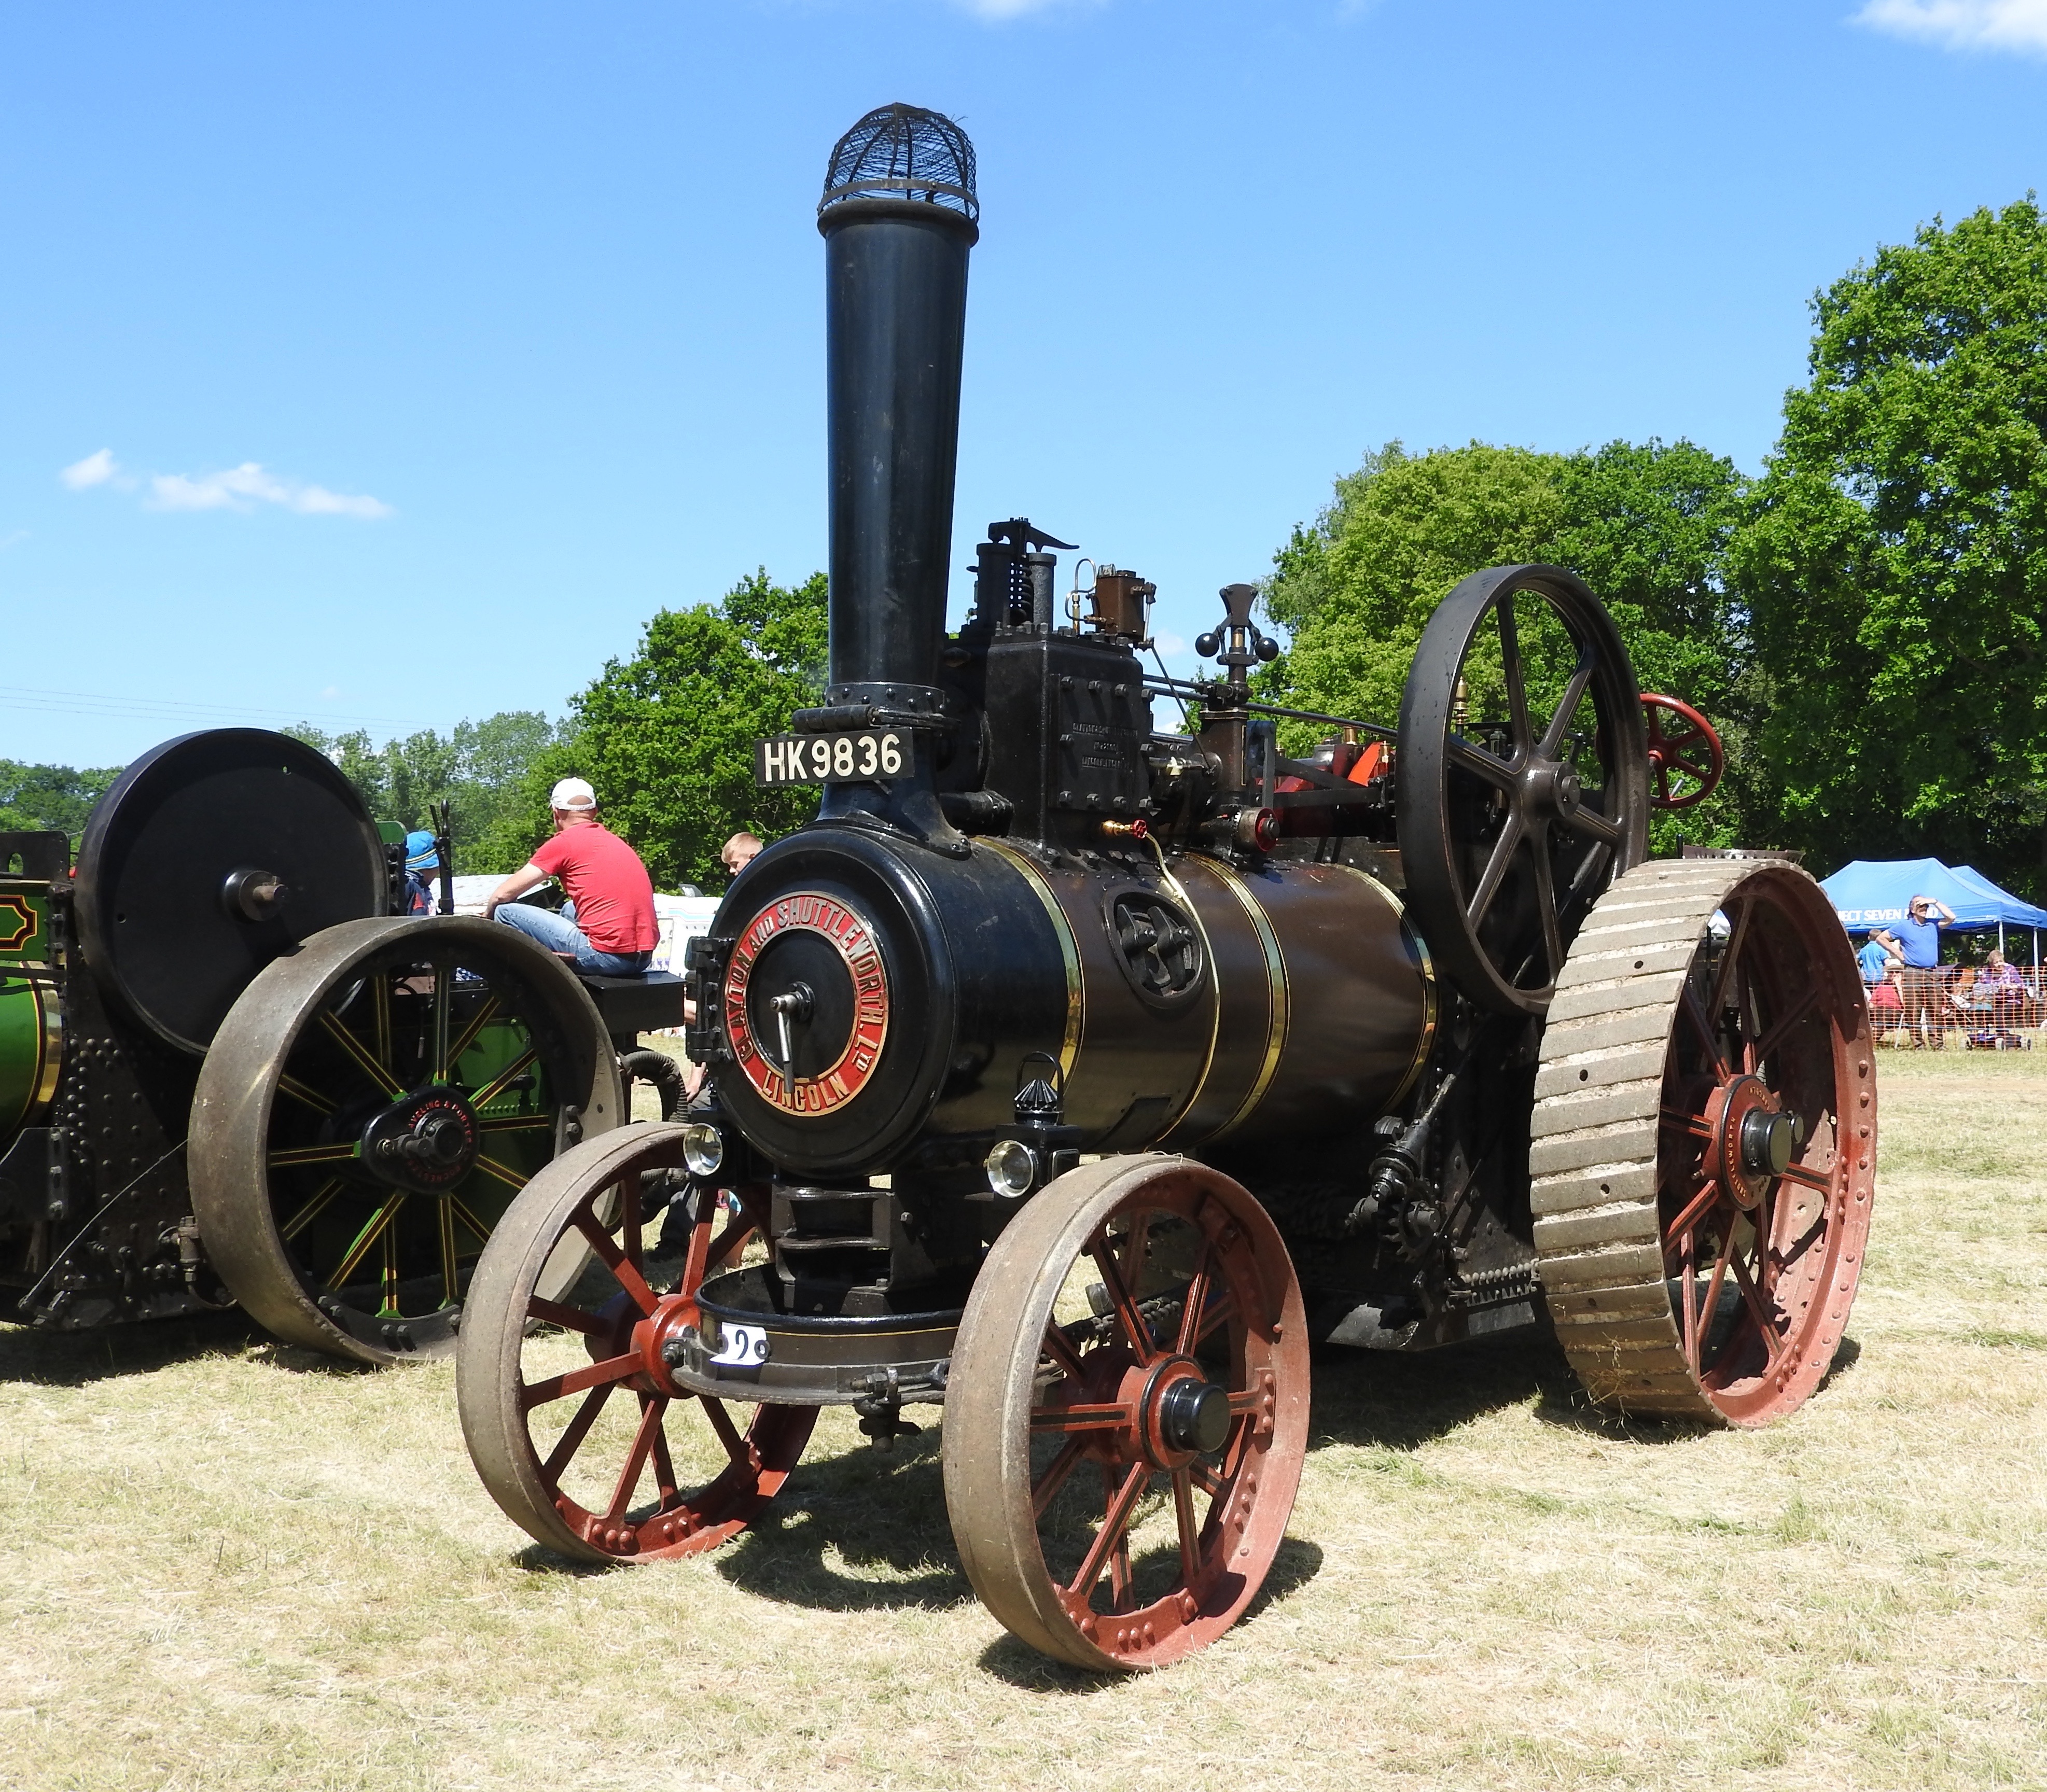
{"type": "Point", "coordinates": [1075, 1074]}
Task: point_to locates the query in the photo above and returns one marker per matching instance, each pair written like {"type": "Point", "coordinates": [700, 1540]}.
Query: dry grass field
{"type": "Point", "coordinates": [231, 1565]}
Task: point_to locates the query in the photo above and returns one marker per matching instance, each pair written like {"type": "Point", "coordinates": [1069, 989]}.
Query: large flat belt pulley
{"type": "Point", "coordinates": [1522, 779]}
{"type": "Point", "coordinates": [211, 855]}
{"type": "Point", "coordinates": [369, 1110]}
{"type": "Point", "coordinates": [1703, 1154]}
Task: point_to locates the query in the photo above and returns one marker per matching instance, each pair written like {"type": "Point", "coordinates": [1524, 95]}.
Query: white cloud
{"type": "Point", "coordinates": [1169, 644]}
{"type": "Point", "coordinates": [94, 469]}
{"type": "Point", "coordinates": [242, 488]}
{"type": "Point", "coordinates": [1962, 25]}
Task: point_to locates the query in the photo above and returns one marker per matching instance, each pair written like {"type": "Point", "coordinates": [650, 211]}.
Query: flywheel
{"type": "Point", "coordinates": [1702, 1147]}
{"type": "Point", "coordinates": [1511, 827]}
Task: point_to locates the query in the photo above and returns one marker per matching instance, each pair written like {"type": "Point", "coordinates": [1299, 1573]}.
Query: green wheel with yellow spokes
{"type": "Point", "coordinates": [367, 1112]}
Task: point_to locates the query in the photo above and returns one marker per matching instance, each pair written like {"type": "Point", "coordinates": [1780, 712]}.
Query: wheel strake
{"type": "Point", "coordinates": [570, 1414]}
{"type": "Point", "coordinates": [1120, 1460]}
{"type": "Point", "coordinates": [1704, 1142]}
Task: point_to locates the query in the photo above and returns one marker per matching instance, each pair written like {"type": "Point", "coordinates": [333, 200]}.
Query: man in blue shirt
{"type": "Point", "coordinates": [1925, 996]}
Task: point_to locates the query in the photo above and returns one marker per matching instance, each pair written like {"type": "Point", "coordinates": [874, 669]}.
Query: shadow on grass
{"type": "Point", "coordinates": [74, 1359]}
{"type": "Point", "coordinates": [862, 1531]}
{"type": "Point", "coordinates": [537, 1558]}
{"type": "Point", "coordinates": [301, 1361]}
{"type": "Point", "coordinates": [1392, 1400]}
{"type": "Point", "coordinates": [1387, 1400]}
{"type": "Point", "coordinates": [1847, 1354]}
{"type": "Point", "coordinates": [1294, 1564]}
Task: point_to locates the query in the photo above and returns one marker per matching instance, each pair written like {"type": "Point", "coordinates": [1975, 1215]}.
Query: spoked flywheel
{"type": "Point", "coordinates": [573, 1415]}
{"type": "Point", "coordinates": [1522, 781]}
{"type": "Point", "coordinates": [1704, 1145]}
{"type": "Point", "coordinates": [1126, 1413]}
{"type": "Point", "coordinates": [369, 1108]}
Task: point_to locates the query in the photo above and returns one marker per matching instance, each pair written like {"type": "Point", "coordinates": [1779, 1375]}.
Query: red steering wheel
{"type": "Point", "coordinates": [1690, 754]}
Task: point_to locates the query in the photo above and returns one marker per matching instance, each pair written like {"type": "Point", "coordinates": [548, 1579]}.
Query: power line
{"type": "Point", "coordinates": [30, 697]}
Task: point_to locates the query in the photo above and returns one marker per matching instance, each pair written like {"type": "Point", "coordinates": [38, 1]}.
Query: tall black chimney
{"type": "Point", "coordinates": [899, 217]}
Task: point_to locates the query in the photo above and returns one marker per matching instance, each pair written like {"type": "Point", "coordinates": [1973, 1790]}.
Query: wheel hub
{"type": "Point", "coordinates": [653, 1337]}
{"type": "Point", "coordinates": [1552, 788]}
{"type": "Point", "coordinates": [1195, 1415]}
{"type": "Point", "coordinates": [1753, 1140]}
{"type": "Point", "coordinates": [426, 1142]}
{"type": "Point", "coordinates": [1181, 1414]}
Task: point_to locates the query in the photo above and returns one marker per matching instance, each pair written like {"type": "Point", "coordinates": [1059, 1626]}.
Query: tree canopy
{"type": "Point", "coordinates": [667, 737]}
{"type": "Point", "coordinates": [480, 770]}
{"type": "Point", "coordinates": [35, 798]}
{"type": "Point", "coordinates": [1645, 524]}
{"type": "Point", "coordinates": [1894, 560]}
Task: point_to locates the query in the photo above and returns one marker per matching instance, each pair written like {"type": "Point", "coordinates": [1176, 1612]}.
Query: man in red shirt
{"type": "Point", "coordinates": [608, 923]}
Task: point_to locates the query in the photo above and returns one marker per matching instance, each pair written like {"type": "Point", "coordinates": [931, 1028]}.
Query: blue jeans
{"type": "Point", "coordinates": [559, 933]}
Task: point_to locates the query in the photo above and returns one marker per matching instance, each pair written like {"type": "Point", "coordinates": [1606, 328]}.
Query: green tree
{"type": "Point", "coordinates": [479, 770]}
{"type": "Point", "coordinates": [1357, 587]}
{"type": "Point", "coordinates": [667, 737]}
{"type": "Point", "coordinates": [1645, 525]}
{"type": "Point", "coordinates": [37, 799]}
{"type": "Point", "coordinates": [1894, 559]}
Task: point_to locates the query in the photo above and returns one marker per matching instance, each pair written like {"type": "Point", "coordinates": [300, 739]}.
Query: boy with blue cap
{"type": "Point", "coordinates": [421, 857]}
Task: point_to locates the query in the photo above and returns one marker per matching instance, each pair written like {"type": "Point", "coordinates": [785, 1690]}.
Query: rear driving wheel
{"type": "Point", "coordinates": [1126, 1413]}
{"type": "Point", "coordinates": [1703, 1145]}
{"type": "Point", "coordinates": [369, 1108]}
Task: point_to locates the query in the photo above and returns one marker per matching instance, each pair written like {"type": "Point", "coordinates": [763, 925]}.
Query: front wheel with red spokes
{"type": "Point", "coordinates": [571, 1415]}
{"type": "Point", "coordinates": [1126, 1413]}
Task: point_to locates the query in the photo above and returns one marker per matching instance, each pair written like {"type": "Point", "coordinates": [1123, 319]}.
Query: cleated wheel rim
{"type": "Point", "coordinates": [572, 1418]}
{"type": "Point", "coordinates": [1703, 1145]}
{"type": "Point", "coordinates": [1120, 1466]}
{"type": "Point", "coordinates": [369, 1110]}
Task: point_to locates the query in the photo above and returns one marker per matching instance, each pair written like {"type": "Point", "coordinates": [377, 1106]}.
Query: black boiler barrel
{"type": "Point", "coordinates": [899, 218]}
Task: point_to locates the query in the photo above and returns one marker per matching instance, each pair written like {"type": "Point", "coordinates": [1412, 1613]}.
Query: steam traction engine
{"type": "Point", "coordinates": [230, 1073]}
{"type": "Point", "coordinates": [1077, 1075]}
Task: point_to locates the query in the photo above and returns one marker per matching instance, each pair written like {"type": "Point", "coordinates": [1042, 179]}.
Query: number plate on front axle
{"type": "Point", "coordinates": [849, 757]}
{"type": "Point", "coordinates": [742, 1346]}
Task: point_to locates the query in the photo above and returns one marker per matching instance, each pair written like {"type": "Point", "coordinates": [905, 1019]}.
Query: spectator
{"type": "Point", "coordinates": [2000, 988]}
{"type": "Point", "coordinates": [1997, 975]}
{"type": "Point", "coordinates": [1880, 953]}
{"type": "Point", "coordinates": [738, 852]}
{"type": "Point", "coordinates": [421, 857]}
{"type": "Point", "coordinates": [607, 924]}
{"type": "Point", "coordinates": [1925, 1001]}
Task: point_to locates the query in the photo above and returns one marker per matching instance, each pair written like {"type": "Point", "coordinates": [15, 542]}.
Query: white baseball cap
{"type": "Point", "coordinates": [572, 793]}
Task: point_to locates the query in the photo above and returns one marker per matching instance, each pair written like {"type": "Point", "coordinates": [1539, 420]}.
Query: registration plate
{"type": "Point", "coordinates": [741, 1346]}
{"type": "Point", "coordinates": [850, 756]}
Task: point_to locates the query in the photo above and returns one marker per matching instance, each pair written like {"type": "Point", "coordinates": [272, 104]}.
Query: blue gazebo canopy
{"type": "Point", "coordinates": [1869, 893]}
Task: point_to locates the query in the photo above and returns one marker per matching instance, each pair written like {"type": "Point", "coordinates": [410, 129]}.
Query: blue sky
{"type": "Point", "coordinates": [433, 349]}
